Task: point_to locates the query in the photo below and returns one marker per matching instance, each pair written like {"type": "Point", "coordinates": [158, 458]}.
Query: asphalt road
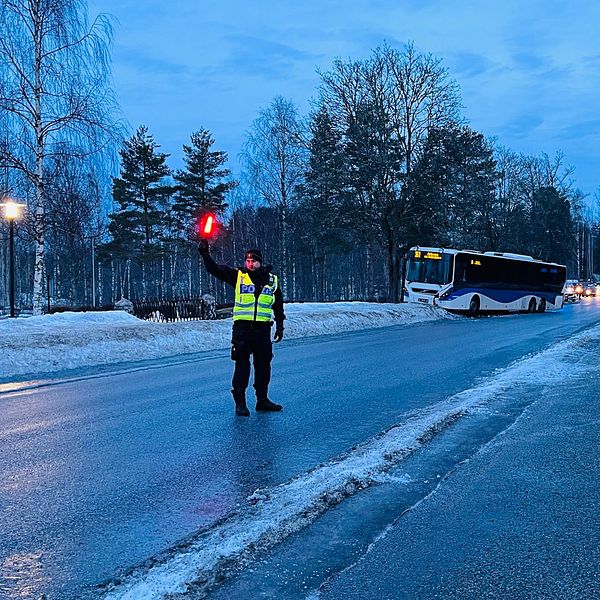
{"type": "Point", "coordinates": [101, 473]}
{"type": "Point", "coordinates": [519, 520]}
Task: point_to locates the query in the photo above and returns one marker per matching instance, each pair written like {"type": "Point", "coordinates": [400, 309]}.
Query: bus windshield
{"type": "Point", "coordinates": [429, 267]}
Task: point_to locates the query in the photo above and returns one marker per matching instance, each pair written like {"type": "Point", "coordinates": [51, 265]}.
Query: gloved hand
{"type": "Point", "coordinates": [203, 246]}
{"type": "Point", "coordinates": [278, 334]}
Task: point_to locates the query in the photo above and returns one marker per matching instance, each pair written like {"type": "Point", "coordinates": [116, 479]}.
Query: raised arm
{"type": "Point", "coordinates": [222, 272]}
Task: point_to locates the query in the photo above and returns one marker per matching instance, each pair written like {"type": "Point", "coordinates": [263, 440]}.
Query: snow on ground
{"type": "Point", "coordinates": [271, 515]}
{"type": "Point", "coordinates": [50, 343]}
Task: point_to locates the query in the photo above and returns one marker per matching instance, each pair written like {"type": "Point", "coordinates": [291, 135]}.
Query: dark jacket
{"type": "Point", "coordinates": [259, 278]}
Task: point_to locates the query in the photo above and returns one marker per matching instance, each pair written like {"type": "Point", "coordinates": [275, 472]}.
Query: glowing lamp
{"type": "Point", "coordinates": [11, 210]}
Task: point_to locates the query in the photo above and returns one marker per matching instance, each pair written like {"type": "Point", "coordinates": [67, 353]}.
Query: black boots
{"type": "Point", "coordinates": [264, 404]}
{"type": "Point", "coordinates": [241, 410]}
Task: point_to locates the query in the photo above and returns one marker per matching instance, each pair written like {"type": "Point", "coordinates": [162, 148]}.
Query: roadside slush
{"type": "Point", "coordinates": [517, 521]}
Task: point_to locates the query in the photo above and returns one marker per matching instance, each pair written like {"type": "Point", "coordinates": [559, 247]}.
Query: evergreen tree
{"type": "Point", "coordinates": [551, 226]}
{"type": "Point", "coordinates": [476, 179]}
{"type": "Point", "coordinates": [375, 166]}
{"type": "Point", "coordinates": [454, 183]}
{"type": "Point", "coordinates": [142, 196]}
{"type": "Point", "coordinates": [321, 212]}
{"type": "Point", "coordinates": [432, 203]}
{"type": "Point", "coordinates": [203, 184]}
{"type": "Point", "coordinates": [375, 160]}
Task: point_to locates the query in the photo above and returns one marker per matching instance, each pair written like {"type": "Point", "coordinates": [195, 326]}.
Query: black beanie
{"type": "Point", "coordinates": [255, 254]}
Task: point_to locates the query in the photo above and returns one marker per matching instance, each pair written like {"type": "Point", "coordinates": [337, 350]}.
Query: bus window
{"type": "Point", "coordinates": [429, 267]}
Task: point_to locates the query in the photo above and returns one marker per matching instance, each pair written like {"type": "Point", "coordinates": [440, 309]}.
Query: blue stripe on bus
{"type": "Point", "coordinates": [503, 296]}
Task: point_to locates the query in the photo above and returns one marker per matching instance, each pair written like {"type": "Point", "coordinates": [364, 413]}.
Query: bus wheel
{"type": "Point", "coordinates": [542, 305]}
{"type": "Point", "coordinates": [474, 306]}
{"type": "Point", "coordinates": [531, 308]}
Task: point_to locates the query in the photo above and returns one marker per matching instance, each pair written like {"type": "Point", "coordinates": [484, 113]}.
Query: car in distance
{"type": "Point", "coordinates": [572, 290]}
{"type": "Point", "coordinates": [590, 289]}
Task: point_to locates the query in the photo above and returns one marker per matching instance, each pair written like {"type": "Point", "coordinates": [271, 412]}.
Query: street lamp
{"type": "Point", "coordinates": [12, 211]}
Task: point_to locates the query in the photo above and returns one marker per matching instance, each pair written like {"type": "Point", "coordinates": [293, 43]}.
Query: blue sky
{"type": "Point", "coordinates": [529, 71]}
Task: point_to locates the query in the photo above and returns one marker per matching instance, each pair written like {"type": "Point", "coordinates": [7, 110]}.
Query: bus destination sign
{"type": "Point", "coordinates": [428, 255]}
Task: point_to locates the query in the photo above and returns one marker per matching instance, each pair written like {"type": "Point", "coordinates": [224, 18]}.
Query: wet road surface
{"type": "Point", "coordinates": [101, 473]}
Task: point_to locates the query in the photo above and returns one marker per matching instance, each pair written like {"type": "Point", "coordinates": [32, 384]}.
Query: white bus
{"type": "Point", "coordinates": [476, 282]}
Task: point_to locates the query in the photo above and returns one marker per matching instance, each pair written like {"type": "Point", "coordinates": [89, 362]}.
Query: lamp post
{"type": "Point", "coordinates": [11, 212]}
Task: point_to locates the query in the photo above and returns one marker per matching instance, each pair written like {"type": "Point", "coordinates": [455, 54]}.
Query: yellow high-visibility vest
{"type": "Point", "coordinates": [249, 308]}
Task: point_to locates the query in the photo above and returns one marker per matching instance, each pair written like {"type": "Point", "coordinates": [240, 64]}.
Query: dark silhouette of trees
{"type": "Point", "coordinates": [382, 163]}
{"type": "Point", "coordinates": [454, 184]}
{"type": "Point", "coordinates": [387, 106]}
{"type": "Point", "coordinates": [323, 219]}
{"type": "Point", "coordinates": [551, 225]}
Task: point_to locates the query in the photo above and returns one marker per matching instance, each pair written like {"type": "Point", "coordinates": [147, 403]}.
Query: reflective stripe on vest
{"type": "Point", "coordinates": [247, 307]}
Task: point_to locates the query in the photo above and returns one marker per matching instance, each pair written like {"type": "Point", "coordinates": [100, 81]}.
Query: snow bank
{"type": "Point", "coordinates": [62, 341]}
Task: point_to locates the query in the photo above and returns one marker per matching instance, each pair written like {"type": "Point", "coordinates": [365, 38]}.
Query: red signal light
{"type": "Point", "coordinates": [207, 225]}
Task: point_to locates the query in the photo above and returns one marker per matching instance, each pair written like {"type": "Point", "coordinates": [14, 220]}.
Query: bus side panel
{"type": "Point", "coordinates": [503, 284]}
{"type": "Point", "coordinates": [494, 300]}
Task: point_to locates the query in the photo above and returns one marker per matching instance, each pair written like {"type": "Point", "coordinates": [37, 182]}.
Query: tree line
{"type": "Point", "coordinates": [334, 199]}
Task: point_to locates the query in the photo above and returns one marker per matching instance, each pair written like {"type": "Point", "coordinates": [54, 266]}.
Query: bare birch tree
{"type": "Point", "coordinates": [274, 161]}
{"type": "Point", "coordinates": [54, 90]}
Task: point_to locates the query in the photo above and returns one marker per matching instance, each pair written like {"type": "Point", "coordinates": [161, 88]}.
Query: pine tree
{"type": "Point", "coordinates": [551, 226]}
{"type": "Point", "coordinates": [453, 184]}
{"type": "Point", "coordinates": [142, 196]}
{"type": "Point", "coordinates": [203, 184]}
{"type": "Point", "coordinates": [140, 191]}
{"type": "Point", "coordinates": [322, 209]}
{"type": "Point", "coordinates": [375, 158]}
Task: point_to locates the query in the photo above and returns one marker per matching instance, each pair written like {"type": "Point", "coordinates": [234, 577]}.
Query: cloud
{"type": "Point", "coordinates": [251, 55]}
{"type": "Point", "coordinates": [521, 126]}
{"type": "Point", "coordinates": [530, 61]}
{"type": "Point", "coordinates": [581, 129]}
{"type": "Point", "coordinates": [469, 64]}
{"type": "Point", "coordinates": [528, 70]}
{"type": "Point", "coordinates": [143, 63]}
{"type": "Point", "coordinates": [592, 61]}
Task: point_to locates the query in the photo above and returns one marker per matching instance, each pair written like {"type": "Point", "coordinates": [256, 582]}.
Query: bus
{"type": "Point", "coordinates": [475, 282]}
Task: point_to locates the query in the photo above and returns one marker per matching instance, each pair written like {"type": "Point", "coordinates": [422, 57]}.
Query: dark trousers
{"type": "Point", "coordinates": [251, 340]}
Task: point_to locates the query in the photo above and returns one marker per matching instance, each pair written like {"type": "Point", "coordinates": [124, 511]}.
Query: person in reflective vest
{"type": "Point", "coordinates": [258, 303]}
